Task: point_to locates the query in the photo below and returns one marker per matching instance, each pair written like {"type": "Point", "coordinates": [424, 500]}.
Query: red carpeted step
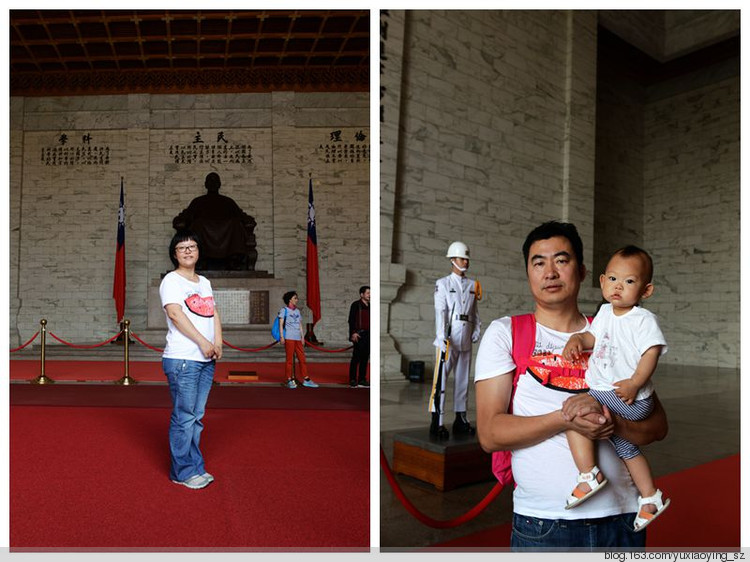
{"type": "Point", "coordinates": [222, 396]}
{"type": "Point", "coordinates": [98, 478]}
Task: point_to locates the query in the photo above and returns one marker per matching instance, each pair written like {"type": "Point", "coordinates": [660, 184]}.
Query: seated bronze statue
{"type": "Point", "coordinates": [227, 233]}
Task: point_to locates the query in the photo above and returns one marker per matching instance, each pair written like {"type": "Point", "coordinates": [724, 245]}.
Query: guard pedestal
{"type": "Point", "coordinates": [445, 464]}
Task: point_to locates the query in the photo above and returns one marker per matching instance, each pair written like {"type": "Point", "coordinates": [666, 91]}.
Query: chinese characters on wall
{"type": "Point", "coordinates": [220, 152]}
{"type": "Point", "coordinates": [259, 307]}
{"type": "Point", "coordinates": [68, 153]}
{"type": "Point", "coordinates": [345, 148]}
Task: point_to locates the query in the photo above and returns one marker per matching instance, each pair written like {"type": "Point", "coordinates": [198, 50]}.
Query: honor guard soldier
{"type": "Point", "coordinates": [457, 326]}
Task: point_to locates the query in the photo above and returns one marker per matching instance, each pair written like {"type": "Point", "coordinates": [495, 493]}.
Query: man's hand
{"type": "Point", "coordinates": [592, 426]}
{"type": "Point", "coordinates": [582, 405]}
{"type": "Point", "coordinates": [626, 390]}
{"type": "Point", "coordinates": [574, 348]}
{"type": "Point", "coordinates": [586, 416]}
{"type": "Point", "coordinates": [355, 337]}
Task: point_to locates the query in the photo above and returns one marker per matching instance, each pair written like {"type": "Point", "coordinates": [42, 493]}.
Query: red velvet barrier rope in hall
{"type": "Point", "coordinates": [159, 350]}
{"type": "Point", "coordinates": [429, 521]}
{"type": "Point", "coordinates": [19, 348]}
{"type": "Point", "coordinates": [144, 343]}
{"type": "Point", "coordinates": [225, 342]}
{"type": "Point", "coordinates": [249, 350]}
{"type": "Point", "coordinates": [329, 350]}
{"type": "Point", "coordinates": [113, 338]}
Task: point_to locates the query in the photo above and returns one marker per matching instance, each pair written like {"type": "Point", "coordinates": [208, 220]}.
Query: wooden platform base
{"type": "Point", "coordinates": [444, 464]}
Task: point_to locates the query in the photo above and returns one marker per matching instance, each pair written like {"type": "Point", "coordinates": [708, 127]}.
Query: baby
{"type": "Point", "coordinates": [627, 343]}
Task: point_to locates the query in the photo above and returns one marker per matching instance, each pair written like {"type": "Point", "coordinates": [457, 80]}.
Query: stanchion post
{"type": "Point", "coordinates": [126, 378]}
{"type": "Point", "coordinates": [42, 378]}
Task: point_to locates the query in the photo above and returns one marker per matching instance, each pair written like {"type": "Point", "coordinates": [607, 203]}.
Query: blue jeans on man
{"type": "Point", "coordinates": [189, 384]}
{"type": "Point", "coordinates": [563, 535]}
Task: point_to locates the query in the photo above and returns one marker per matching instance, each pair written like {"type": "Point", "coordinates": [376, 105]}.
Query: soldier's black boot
{"type": "Point", "coordinates": [462, 426]}
{"type": "Point", "coordinates": [437, 430]}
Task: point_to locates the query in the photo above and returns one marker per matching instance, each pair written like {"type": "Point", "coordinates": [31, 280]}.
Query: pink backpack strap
{"type": "Point", "coordinates": [523, 332]}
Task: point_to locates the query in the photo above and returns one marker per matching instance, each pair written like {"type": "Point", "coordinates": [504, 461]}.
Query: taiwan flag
{"type": "Point", "coordinates": [118, 290]}
{"type": "Point", "coordinates": [313, 283]}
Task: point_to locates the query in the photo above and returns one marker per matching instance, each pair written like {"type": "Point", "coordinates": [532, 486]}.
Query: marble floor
{"type": "Point", "coordinates": [703, 408]}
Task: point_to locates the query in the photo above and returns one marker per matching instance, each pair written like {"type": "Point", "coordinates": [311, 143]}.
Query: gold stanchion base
{"type": "Point", "coordinates": [126, 380]}
{"type": "Point", "coordinates": [42, 379]}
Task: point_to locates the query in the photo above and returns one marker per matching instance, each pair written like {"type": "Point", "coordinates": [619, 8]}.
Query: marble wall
{"type": "Point", "coordinates": [692, 216]}
{"type": "Point", "coordinates": [265, 147]}
{"type": "Point", "coordinates": [498, 131]}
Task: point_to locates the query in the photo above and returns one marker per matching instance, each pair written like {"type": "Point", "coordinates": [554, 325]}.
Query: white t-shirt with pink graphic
{"type": "Point", "coordinates": [197, 302]}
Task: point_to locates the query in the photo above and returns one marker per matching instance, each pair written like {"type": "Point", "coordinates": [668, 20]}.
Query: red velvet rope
{"type": "Point", "coordinates": [27, 343]}
{"type": "Point", "coordinates": [86, 346]}
{"type": "Point", "coordinates": [223, 341]}
{"type": "Point", "coordinates": [246, 349]}
{"type": "Point", "coordinates": [429, 521]}
{"type": "Point", "coordinates": [329, 350]}
{"type": "Point", "coordinates": [144, 343]}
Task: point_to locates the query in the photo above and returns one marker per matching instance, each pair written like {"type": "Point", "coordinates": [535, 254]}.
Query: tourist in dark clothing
{"type": "Point", "coordinates": [359, 335]}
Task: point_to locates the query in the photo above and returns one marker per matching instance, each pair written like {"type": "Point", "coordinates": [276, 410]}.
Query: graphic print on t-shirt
{"type": "Point", "coordinates": [554, 371]}
{"type": "Point", "coordinates": [202, 306]}
{"type": "Point", "coordinates": [606, 352]}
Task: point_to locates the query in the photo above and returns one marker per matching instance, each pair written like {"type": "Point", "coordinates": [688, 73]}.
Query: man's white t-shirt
{"type": "Point", "coordinates": [620, 343]}
{"type": "Point", "coordinates": [197, 302]}
{"type": "Point", "coordinates": [545, 473]}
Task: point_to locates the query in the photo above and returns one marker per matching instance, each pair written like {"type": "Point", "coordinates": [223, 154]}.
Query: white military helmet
{"type": "Point", "coordinates": [458, 250]}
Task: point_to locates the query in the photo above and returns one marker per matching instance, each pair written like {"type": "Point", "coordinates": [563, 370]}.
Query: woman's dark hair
{"type": "Point", "coordinates": [182, 236]}
{"type": "Point", "coordinates": [288, 296]}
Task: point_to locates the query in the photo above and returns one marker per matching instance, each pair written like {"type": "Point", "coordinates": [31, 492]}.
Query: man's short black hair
{"type": "Point", "coordinates": [288, 296]}
{"type": "Point", "coordinates": [363, 288]}
{"type": "Point", "coordinates": [182, 236]}
{"type": "Point", "coordinates": [632, 251]}
{"type": "Point", "coordinates": [551, 229]}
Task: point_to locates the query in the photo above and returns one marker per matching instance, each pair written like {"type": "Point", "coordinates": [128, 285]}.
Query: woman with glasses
{"type": "Point", "coordinates": [194, 343]}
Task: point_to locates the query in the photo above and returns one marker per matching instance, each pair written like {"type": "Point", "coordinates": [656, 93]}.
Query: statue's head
{"type": "Point", "coordinates": [213, 182]}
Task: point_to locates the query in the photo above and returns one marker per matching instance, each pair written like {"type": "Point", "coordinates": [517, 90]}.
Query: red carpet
{"type": "Point", "coordinates": [57, 370]}
{"type": "Point", "coordinates": [690, 521]}
{"type": "Point", "coordinates": [97, 478]}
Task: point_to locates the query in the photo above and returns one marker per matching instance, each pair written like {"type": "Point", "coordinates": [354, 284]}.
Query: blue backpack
{"type": "Point", "coordinates": [275, 332]}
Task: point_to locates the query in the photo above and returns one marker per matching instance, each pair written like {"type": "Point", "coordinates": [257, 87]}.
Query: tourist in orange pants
{"type": "Point", "coordinates": [290, 327]}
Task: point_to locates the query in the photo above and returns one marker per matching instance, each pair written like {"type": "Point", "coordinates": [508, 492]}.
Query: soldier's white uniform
{"type": "Point", "coordinates": [458, 294]}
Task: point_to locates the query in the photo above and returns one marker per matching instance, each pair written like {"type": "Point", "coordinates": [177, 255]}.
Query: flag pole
{"type": "Point", "coordinates": [313, 280]}
{"type": "Point", "coordinates": [118, 289]}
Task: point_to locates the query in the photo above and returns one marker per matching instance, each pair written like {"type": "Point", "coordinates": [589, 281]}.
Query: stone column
{"type": "Point", "coordinates": [579, 138]}
{"type": "Point", "coordinates": [392, 275]}
{"type": "Point", "coordinates": [15, 214]}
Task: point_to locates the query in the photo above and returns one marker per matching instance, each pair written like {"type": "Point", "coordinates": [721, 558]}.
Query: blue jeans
{"type": "Point", "coordinates": [564, 535]}
{"type": "Point", "coordinates": [189, 383]}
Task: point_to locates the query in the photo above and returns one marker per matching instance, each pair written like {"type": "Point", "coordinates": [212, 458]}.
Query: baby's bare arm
{"type": "Point", "coordinates": [577, 344]}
